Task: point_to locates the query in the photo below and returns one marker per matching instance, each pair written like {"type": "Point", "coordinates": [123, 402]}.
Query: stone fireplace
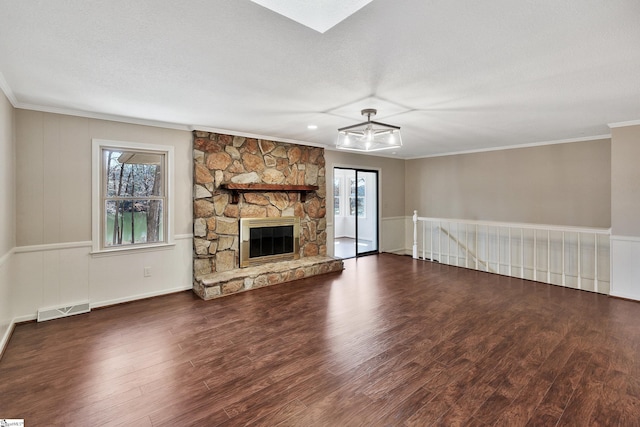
{"type": "Point", "coordinates": [237, 179]}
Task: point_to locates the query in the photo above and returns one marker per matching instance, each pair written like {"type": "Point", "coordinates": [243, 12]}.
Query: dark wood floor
{"type": "Point", "coordinates": [390, 341]}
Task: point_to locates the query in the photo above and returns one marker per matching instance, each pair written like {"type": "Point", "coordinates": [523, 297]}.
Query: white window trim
{"type": "Point", "coordinates": [96, 178]}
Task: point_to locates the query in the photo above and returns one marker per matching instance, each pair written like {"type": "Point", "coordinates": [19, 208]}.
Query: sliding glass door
{"type": "Point", "coordinates": [366, 212]}
{"type": "Point", "coordinates": [355, 193]}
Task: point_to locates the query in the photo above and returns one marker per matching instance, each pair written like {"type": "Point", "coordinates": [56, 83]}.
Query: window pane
{"type": "Point", "coordinates": [361, 185]}
{"type": "Point", "coordinates": [336, 196]}
{"type": "Point", "coordinates": [133, 221]}
{"type": "Point", "coordinates": [352, 196]}
{"type": "Point", "coordinates": [133, 174]}
{"type": "Point", "coordinates": [361, 206]}
{"type": "Point", "coordinates": [361, 194]}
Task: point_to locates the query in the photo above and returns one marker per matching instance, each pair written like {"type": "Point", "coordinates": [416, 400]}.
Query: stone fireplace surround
{"type": "Point", "coordinates": [220, 160]}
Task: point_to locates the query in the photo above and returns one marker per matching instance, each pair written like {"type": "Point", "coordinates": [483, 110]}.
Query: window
{"type": "Point", "coordinates": [132, 191]}
{"type": "Point", "coordinates": [356, 194]}
{"type": "Point", "coordinates": [336, 196]}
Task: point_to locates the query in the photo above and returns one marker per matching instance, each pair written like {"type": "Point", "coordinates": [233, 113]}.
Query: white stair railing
{"type": "Point", "coordinates": [576, 257]}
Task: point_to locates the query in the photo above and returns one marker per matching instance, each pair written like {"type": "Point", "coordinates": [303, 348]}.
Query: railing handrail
{"type": "Point", "coordinates": [574, 229]}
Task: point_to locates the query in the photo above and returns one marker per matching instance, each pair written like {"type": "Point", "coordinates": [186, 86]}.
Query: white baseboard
{"type": "Point", "coordinates": [4, 341]}
{"type": "Point", "coordinates": [6, 336]}
{"type": "Point", "coordinates": [139, 297]}
{"type": "Point", "coordinates": [26, 318]}
{"type": "Point", "coordinates": [398, 251]}
{"type": "Point", "coordinates": [624, 296]}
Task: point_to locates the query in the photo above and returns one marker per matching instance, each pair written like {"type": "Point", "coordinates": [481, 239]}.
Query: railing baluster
{"type": "Point", "coordinates": [424, 242]}
{"type": "Point", "coordinates": [510, 265]}
{"type": "Point", "coordinates": [466, 245]}
{"type": "Point", "coordinates": [595, 262]}
{"type": "Point", "coordinates": [579, 263]}
{"type": "Point", "coordinates": [440, 241]}
{"type": "Point", "coordinates": [457, 243]}
{"type": "Point", "coordinates": [535, 255]}
{"type": "Point", "coordinates": [564, 269]}
{"type": "Point", "coordinates": [522, 253]}
{"type": "Point", "coordinates": [499, 252]}
{"type": "Point", "coordinates": [431, 238]}
{"type": "Point", "coordinates": [548, 257]}
{"type": "Point", "coordinates": [449, 243]}
{"type": "Point", "coordinates": [476, 246]}
{"type": "Point", "coordinates": [486, 248]}
{"type": "Point", "coordinates": [414, 248]}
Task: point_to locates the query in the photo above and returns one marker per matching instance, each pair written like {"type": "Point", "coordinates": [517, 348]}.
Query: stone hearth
{"type": "Point", "coordinates": [215, 285]}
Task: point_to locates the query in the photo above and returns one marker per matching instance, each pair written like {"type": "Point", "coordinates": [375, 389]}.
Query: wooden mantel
{"type": "Point", "coordinates": [236, 189]}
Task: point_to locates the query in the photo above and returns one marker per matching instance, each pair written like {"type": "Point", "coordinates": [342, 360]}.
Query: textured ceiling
{"type": "Point", "coordinates": [455, 75]}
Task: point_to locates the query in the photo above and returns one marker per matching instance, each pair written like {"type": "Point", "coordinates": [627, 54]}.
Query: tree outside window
{"type": "Point", "coordinates": [356, 194]}
{"type": "Point", "coordinates": [134, 197]}
{"type": "Point", "coordinates": [336, 196]}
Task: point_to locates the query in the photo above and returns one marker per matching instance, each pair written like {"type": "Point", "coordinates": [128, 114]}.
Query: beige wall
{"type": "Point", "coordinates": [625, 181]}
{"type": "Point", "coordinates": [7, 177]}
{"type": "Point", "coordinates": [7, 214]}
{"type": "Point", "coordinates": [391, 177]}
{"type": "Point", "coordinates": [562, 184]}
{"type": "Point", "coordinates": [54, 173]}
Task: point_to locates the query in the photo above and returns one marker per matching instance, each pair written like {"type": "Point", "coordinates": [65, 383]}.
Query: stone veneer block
{"type": "Point", "coordinates": [215, 285]}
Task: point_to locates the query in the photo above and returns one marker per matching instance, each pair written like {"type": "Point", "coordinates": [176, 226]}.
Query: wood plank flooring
{"type": "Point", "coordinates": [391, 341]}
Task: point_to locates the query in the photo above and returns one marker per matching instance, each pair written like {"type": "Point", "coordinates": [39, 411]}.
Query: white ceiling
{"type": "Point", "coordinates": [455, 75]}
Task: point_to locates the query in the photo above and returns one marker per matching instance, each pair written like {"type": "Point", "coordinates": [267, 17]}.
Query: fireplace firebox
{"type": "Point", "coordinates": [269, 240]}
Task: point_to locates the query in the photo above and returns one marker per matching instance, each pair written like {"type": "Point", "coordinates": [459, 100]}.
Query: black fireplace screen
{"type": "Point", "coordinates": [265, 241]}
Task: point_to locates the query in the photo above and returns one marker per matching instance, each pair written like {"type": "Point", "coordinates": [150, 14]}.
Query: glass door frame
{"type": "Point", "coordinates": [376, 185]}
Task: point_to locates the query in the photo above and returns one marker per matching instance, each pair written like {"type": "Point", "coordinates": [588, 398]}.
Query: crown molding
{"type": "Point", "coordinates": [101, 116]}
{"type": "Point", "coordinates": [4, 86]}
{"type": "Point", "coordinates": [152, 123]}
{"type": "Point", "coordinates": [624, 124]}
{"type": "Point", "coordinates": [512, 147]}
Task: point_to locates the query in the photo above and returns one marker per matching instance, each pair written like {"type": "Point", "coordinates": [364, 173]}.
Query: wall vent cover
{"type": "Point", "coordinates": [58, 312]}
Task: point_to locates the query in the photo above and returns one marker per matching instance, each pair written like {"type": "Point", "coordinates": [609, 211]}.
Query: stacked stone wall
{"type": "Point", "coordinates": [220, 159]}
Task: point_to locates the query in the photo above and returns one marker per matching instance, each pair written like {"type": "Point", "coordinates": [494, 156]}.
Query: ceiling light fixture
{"type": "Point", "coordinates": [369, 135]}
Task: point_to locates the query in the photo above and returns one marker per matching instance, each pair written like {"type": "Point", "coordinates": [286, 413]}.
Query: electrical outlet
{"type": "Point", "coordinates": [147, 272]}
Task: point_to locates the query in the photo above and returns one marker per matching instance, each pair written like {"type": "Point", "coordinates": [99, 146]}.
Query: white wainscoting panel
{"type": "Point", "coordinates": [65, 274]}
{"type": "Point", "coordinates": [6, 305]}
{"type": "Point", "coordinates": [625, 267]}
{"type": "Point", "coordinates": [28, 285]}
{"type": "Point", "coordinates": [119, 277]}
{"type": "Point", "coordinates": [49, 276]}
